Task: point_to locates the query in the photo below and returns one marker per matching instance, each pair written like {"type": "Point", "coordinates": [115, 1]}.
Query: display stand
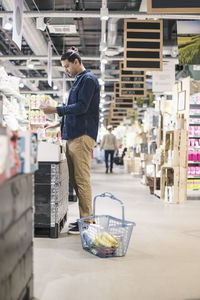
{"type": "Point", "coordinates": [174, 171]}
{"type": "Point", "coordinates": [194, 147]}
{"type": "Point", "coordinates": [51, 198]}
{"type": "Point", "coordinates": [16, 238]}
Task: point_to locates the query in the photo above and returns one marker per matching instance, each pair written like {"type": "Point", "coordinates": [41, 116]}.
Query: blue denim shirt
{"type": "Point", "coordinates": [81, 115]}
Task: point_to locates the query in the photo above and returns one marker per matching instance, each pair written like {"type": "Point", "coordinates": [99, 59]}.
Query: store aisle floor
{"type": "Point", "coordinates": [162, 262]}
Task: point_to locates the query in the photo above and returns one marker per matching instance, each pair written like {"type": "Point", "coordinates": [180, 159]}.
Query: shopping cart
{"type": "Point", "coordinates": [103, 235]}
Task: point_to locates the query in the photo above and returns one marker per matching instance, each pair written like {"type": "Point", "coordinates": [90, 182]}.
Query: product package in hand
{"type": "Point", "coordinates": [46, 100]}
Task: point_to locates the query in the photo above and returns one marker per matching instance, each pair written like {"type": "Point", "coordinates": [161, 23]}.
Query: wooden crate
{"type": "Point", "coordinates": [183, 185]}
{"type": "Point", "coordinates": [184, 149]}
{"type": "Point", "coordinates": [170, 177]}
{"type": "Point", "coordinates": [177, 142]}
{"type": "Point", "coordinates": [143, 43]}
{"type": "Point", "coordinates": [176, 177]}
{"type": "Point", "coordinates": [172, 142]}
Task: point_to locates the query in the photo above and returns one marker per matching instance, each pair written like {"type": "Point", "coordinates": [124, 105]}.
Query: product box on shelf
{"type": "Point", "coordinates": [9, 161]}
{"type": "Point", "coordinates": [27, 143]}
{"type": "Point", "coordinates": [50, 152]}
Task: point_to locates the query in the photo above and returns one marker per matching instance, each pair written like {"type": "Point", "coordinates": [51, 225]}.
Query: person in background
{"type": "Point", "coordinates": [79, 127]}
{"type": "Point", "coordinates": [109, 144]}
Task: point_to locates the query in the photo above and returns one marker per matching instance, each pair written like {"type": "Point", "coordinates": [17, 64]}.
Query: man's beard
{"type": "Point", "coordinates": [71, 75]}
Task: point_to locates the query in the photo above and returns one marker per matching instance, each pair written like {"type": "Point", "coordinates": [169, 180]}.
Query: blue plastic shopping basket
{"type": "Point", "coordinates": [103, 235]}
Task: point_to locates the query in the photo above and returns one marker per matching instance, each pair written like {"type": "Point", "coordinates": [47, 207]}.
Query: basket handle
{"type": "Point", "coordinates": [109, 195]}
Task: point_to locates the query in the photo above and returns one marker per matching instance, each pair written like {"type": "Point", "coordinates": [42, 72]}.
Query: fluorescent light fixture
{"type": "Point", "coordinates": [105, 18]}
{"type": "Point", "coordinates": [21, 85]}
{"type": "Point", "coordinates": [55, 87]}
{"type": "Point", "coordinates": [104, 61]}
{"type": "Point", "coordinates": [103, 95]}
{"type": "Point", "coordinates": [104, 14]}
{"type": "Point", "coordinates": [7, 23]}
{"type": "Point", "coordinates": [101, 81]}
{"type": "Point", "coordinates": [8, 26]}
{"type": "Point", "coordinates": [103, 46]}
{"type": "Point", "coordinates": [101, 119]}
{"type": "Point", "coordinates": [30, 64]}
{"type": "Point", "coordinates": [40, 24]}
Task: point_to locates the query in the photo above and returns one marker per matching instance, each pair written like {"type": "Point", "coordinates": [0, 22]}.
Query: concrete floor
{"type": "Point", "coordinates": [162, 262]}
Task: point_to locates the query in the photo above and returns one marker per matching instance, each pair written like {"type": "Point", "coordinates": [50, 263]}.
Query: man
{"type": "Point", "coordinates": [80, 119]}
{"type": "Point", "coordinates": [109, 144]}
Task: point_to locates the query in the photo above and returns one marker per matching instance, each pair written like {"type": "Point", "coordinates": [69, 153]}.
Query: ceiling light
{"type": "Point", "coordinates": [55, 87]}
{"type": "Point", "coordinates": [103, 95]}
{"type": "Point", "coordinates": [104, 61]}
{"type": "Point", "coordinates": [103, 46]}
{"type": "Point", "coordinates": [40, 24]}
{"type": "Point", "coordinates": [21, 85]}
{"type": "Point", "coordinates": [105, 18]}
{"type": "Point", "coordinates": [101, 119]}
{"type": "Point", "coordinates": [101, 114]}
{"type": "Point", "coordinates": [7, 23]}
{"type": "Point", "coordinates": [104, 14]}
{"type": "Point", "coordinates": [8, 26]}
{"type": "Point", "coordinates": [29, 64]}
{"type": "Point", "coordinates": [101, 81]}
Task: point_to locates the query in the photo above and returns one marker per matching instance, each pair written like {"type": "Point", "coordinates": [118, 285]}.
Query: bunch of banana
{"type": "Point", "coordinates": [105, 239]}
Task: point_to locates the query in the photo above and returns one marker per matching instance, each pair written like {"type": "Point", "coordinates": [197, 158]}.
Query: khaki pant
{"type": "Point", "coordinates": [78, 153]}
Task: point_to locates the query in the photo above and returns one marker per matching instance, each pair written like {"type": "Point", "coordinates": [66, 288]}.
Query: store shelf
{"type": "Point", "coordinates": [194, 124]}
{"type": "Point", "coordinates": [194, 137]}
{"type": "Point", "coordinates": [193, 162]}
{"type": "Point", "coordinates": [194, 177]}
{"type": "Point", "coordinates": [11, 93]}
{"type": "Point", "coordinates": [37, 124]}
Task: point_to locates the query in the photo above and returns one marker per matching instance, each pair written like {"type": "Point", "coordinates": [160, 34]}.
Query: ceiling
{"type": "Point", "coordinates": [90, 32]}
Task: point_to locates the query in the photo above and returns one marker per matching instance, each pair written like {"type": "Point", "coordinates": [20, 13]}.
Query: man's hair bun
{"type": "Point", "coordinates": [74, 49]}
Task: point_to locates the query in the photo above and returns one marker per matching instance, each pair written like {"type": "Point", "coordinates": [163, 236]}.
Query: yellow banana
{"type": "Point", "coordinates": [110, 238]}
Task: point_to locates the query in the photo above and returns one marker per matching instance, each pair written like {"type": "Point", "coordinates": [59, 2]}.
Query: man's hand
{"type": "Point", "coordinates": [47, 109]}
{"type": "Point", "coordinates": [53, 126]}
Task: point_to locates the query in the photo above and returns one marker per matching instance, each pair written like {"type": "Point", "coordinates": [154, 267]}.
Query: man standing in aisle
{"type": "Point", "coordinates": [80, 120]}
{"type": "Point", "coordinates": [109, 144]}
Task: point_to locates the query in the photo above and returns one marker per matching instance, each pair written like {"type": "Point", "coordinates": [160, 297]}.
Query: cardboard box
{"type": "Point", "coordinates": [49, 152]}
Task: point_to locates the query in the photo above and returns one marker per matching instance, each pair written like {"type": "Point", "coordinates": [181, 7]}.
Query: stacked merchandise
{"type": "Point", "coordinates": [16, 276]}
{"type": "Point", "coordinates": [148, 146]}
{"type": "Point", "coordinates": [51, 198]}
{"type": "Point", "coordinates": [174, 170]}
{"type": "Point", "coordinates": [36, 117]}
{"type": "Point", "coordinates": [18, 156]}
{"type": "Point", "coordinates": [51, 182]}
{"type": "Point", "coordinates": [194, 144]}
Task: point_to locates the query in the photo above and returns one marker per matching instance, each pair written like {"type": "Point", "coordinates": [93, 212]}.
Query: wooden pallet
{"type": "Point", "coordinates": [51, 232]}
